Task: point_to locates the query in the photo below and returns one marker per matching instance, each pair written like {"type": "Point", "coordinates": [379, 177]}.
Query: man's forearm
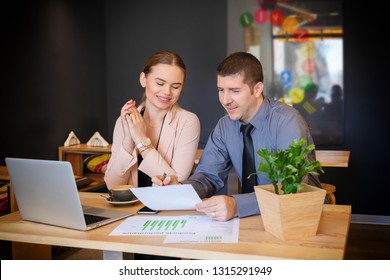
{"type": "Point", "coordinates": [201, 185]}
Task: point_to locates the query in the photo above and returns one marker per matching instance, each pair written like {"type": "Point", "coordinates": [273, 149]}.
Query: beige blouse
{"type": "Point", "coordinates": [175, 156]}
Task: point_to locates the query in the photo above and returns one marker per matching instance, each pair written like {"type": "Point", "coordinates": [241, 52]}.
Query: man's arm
{"type": "Point", "coordinates": [246, 204]}
{"type": "Point", "coordinates": [202, 186]}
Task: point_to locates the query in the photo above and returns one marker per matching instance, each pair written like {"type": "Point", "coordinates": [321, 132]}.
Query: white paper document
{"type": "Point", "coordinates": [173, 197]}
{"type": "Point", "coordinates": [181, 229]}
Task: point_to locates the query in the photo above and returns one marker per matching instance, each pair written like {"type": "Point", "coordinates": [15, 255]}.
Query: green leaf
{"type": "Point", "coordinates": [288, 166]}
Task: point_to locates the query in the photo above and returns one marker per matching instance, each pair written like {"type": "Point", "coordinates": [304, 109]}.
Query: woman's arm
{"type": "Point", "coordinates": [181, 151]}
{"type": "Point", "coordinates": [121, 162]}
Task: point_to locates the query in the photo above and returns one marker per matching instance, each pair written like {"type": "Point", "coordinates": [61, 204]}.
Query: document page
{"type": "Point", "coordinates": [181, 229]}
{"type": "Point", "coordinates": [173, 197]}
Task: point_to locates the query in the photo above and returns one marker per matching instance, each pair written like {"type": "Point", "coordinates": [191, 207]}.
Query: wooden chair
{"type": "Point", "coordinates": [332, 159]}
{"type": "Point", "coordinates": [330, 190]}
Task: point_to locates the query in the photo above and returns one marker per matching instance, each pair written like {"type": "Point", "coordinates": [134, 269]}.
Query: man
{"type": "Point", "coordinates": [275, 125]}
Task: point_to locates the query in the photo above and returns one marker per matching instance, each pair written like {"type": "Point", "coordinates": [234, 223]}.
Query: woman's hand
{"type": "Point", "coordinates": [125, 114]}
{"type": "Point", "coordinates": [161, 180]}
{"type": "Point", "coordinates": [134, 127]}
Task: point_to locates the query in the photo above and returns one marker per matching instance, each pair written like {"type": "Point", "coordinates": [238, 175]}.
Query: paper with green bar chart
{"type": "Point", "coordinates": [181, 229]}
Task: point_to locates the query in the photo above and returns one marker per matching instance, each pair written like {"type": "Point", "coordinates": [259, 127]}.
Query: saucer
{"type": "Point", "coordinates": [121, 202]}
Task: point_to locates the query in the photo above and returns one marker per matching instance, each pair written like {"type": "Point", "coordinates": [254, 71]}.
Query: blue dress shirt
{"type": "Point", "coordinates": [276, 125]}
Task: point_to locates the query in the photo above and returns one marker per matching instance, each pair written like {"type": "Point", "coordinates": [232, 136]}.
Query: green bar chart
{"type": "Point", "coordinates": [164, 225]}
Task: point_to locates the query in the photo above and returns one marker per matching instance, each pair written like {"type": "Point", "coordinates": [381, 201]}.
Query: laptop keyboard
{"type": "Point", "coordinates": [90, 219]}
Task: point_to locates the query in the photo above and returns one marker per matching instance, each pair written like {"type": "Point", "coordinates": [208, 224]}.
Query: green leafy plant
{"type": "Point", "coordinates": [288, 166]}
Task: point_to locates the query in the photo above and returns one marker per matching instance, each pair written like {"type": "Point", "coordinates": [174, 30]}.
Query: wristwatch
{"type": "Point", "coordinates": [145, 142]}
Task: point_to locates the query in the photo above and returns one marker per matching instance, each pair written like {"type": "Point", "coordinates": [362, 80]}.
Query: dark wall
{"type": "Point", "coordinates": [53, 77]}
{"type": "Point", "coordinates": [70, 65]}
{"type": "Point", "coordinates": [195, 30]}
{"type": "Point", "coordinates": [366, 59]}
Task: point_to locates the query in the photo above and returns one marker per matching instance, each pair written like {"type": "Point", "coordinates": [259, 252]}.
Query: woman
{"type": "Point", "coordinates": [159, 137]}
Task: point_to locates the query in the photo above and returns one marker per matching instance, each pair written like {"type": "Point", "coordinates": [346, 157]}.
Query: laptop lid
{"type": "Point", "coordinates": [46, 192]}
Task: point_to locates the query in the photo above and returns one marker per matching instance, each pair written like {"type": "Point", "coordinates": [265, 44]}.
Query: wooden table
{"type": "Point", "coordinates": [254, 241]}
{"type": "Point", "coordinates": [327, 158]}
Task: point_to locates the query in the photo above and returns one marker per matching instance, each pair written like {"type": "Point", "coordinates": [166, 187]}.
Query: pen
{"type": "Point", "coordinates": [164, 176]}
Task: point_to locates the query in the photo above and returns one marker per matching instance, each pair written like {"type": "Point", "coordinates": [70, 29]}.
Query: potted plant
{"type": "Point", "coordinates": [290, 209]}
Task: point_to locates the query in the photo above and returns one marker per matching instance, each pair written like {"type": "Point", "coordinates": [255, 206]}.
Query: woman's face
{"type": "Point", "coordinates": [163, 85]}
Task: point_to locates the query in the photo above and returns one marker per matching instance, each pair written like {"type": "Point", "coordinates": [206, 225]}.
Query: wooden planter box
{"type": "Point", "coordinates": [290, 216]}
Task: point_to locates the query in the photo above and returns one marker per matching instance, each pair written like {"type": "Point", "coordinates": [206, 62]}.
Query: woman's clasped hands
{"type": "Point", "coordinates": [134, 127]}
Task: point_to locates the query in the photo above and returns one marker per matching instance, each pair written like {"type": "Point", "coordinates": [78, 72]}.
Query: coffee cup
{"type": "Point", "coordinates": [121, 193]}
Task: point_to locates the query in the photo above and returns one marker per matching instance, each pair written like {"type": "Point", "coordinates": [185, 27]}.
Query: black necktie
{"type": "Point", "coordinates": [248, 161]}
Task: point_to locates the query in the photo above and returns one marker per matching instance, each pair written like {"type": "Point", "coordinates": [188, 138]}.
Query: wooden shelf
{"type": "Point", "coordinates": [76, 154]}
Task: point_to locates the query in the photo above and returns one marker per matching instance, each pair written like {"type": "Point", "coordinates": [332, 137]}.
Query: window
{"type": "Point", "coordinates": [300, 44]}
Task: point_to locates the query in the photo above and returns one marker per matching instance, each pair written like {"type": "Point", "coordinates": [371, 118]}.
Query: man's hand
{"type": "Point", "coordinates": [220, 207]}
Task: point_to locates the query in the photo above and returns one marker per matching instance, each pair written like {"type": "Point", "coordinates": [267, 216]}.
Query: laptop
{"type": "Point", "coordinates": [46, 192]}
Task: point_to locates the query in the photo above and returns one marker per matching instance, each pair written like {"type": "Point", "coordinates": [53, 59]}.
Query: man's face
{"type": "Point", "coordinates": [239, 100]}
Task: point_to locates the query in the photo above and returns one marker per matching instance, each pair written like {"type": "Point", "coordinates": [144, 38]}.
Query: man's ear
{"type": "Point", "coordinates": [259, 89]}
